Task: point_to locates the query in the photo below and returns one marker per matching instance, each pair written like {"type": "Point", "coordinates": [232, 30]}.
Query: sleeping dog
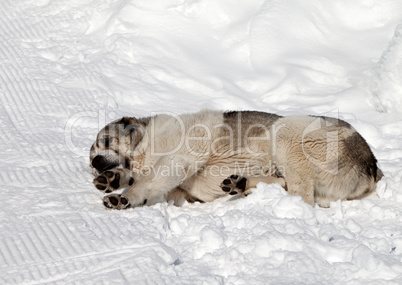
{"type": "Point", "coordinates": [211, 154]}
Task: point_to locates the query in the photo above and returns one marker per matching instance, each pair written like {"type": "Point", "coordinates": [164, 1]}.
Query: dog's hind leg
{"type": "Point", "coordinates": [297, 186]}
{"type": "Point", "coordinates": [236, 184]}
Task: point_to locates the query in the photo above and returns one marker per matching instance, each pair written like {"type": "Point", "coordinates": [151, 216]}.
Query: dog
{"type": "Point", "coordinates": [210, 154]}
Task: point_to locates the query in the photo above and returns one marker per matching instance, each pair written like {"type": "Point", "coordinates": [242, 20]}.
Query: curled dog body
{"type": "Point", "coordinates": [210, 154]}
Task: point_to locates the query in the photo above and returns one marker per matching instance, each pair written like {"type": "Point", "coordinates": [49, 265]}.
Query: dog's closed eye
{"type": "Point", "coordinates": [106, 142]}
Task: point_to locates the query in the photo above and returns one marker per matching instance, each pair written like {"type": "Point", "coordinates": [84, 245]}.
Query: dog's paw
{"type": "Point", "coordinates": [108, 181]}
{"type": "Point", "coordinates": [111, 180]}
{"type": "Point", "coordinates": [116, 201]}
{"type": "Point", "coordinates": [235, 184]}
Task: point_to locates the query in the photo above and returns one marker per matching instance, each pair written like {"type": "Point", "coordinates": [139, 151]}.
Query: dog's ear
{"type": "Point", "coordinates": [128, 121]}
{"type": "Point", "coordinates": [133, 129]}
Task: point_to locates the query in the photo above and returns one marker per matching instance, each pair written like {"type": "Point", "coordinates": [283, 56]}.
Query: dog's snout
{"type": "Point", "coordinates": [101, 163]}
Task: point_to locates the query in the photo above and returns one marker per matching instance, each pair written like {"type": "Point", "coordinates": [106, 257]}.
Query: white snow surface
{"type": "Point", "coordinates": [69, 67]}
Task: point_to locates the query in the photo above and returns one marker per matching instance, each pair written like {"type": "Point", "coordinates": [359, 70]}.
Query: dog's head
{"type": "Point", "coordinates": [115, 144]}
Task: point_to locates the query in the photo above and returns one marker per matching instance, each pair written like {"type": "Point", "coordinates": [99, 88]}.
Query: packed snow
{"type": "Point", "coordinates": [67, 68]}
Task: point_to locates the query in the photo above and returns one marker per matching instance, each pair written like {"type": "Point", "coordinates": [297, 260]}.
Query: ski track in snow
{"type": "Point", "coordinates": [69, 67]}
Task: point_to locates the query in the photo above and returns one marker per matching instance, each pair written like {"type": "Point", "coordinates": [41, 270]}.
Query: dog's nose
{"type": "Point", "coordinates": [98, 162]}
{"type": "Point", "coordinates": [102, 163]}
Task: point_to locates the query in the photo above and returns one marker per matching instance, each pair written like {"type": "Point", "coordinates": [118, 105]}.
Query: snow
{"type": "Point", "coordinates": [69, 67]}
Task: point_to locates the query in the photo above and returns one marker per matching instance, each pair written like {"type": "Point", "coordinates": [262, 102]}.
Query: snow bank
{"type": "Point", "coordinates": [387, 83]}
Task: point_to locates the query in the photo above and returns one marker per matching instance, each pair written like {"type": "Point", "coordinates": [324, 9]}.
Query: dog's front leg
{"type": "Point", "coordinates": [168, 173]}
{"type": "Point", "coordinates": [114, 179]}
